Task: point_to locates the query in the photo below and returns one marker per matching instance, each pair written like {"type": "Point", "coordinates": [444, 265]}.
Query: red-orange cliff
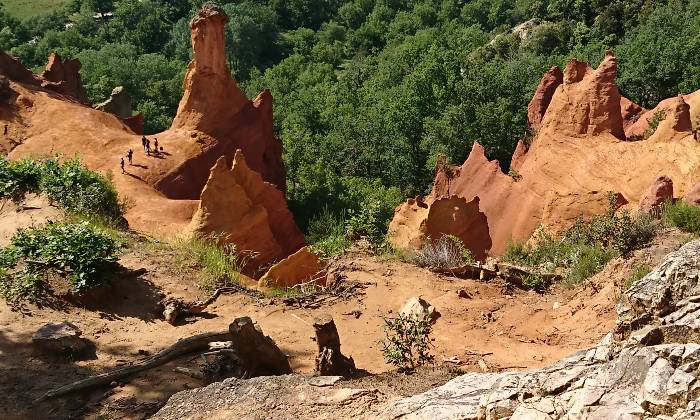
{"type": "Point", "coordinates": [580, 149]}
{"type": "Point", "coordinates": [45, 115]}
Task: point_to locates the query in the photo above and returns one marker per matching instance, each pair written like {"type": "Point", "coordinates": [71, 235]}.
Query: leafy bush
{"type": "Point", "coordinates": [327, 233]}
{"type": "Point", "coordinates": [368, 223]}
{"type": "Point", "coordinates": [77, 250]}
{"type": "Point", "coordinates": [70, 184]}
{"type": "Point", "coordinates": [682, 215]}
{"type": "Point", "coordinates": [407, 343]}
{"type": "Point", "coordinates": [654, 122]}
{"type": "Point", "coordinates": [587, 246]}
{"type": "Point", "coordinates": [447, 252]}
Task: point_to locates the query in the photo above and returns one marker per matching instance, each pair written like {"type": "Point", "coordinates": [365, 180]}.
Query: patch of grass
{"type": "Point", "coordinates": [586, 261]}
{"type": "Point", "coordinates": [638, 272]}
{"type": "Point", "coordinates": [682, 215]}
{"type": "Point", "coordinates": [23, 9]}
{"type": "Point", "coordinates": [80, 252]}
{"type": "Point", "coordinates": [514, 174]}
{"type": "Point", "coordinates": [407, 343]}
{"type": "Point", "coordinates": [447, 252]}
{"type": "Point", "coordinates": [219, 264]}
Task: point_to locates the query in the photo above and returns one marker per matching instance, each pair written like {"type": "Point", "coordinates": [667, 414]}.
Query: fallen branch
{"type": "Point", "coordinates": [181, 347]}
{"type": "Point", "coordinates": [172, 309]}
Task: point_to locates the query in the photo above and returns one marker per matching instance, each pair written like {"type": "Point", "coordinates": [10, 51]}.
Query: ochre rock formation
{"type": "Point", "coordinates": [63, 76]}
{"type": "Point", "coordinates": [239, 208]}
{"type": "Point", "coordinates": [135, 123]}
{"type": "Point", "coordinates": [577, 157]}
{"type": "Point", "coordinates": [216, 115]}
{"type": "Point", "coordinates": [542, 97]}
{"type": "Point", "coordinates": [214, 120]}
{"type": "Point", "coordinates": [693, 196]}
{"type": "Point", "coordinates": [415, 222]}
{"type": "Point", "coordinates": [118, 103]}
{"type": "Point", "coordinates": [660, 191]}
{"type": "Point", "coordinates": [301, 267]}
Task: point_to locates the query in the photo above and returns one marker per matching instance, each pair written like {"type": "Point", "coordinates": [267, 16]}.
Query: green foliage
{"type": "Point", "coordinates": [407, 343]}
{"type": "Point", "coordinates": [514, 174]}
{"type": "Point", "coordinates": [447, 252]}
{"type": "Point", "coordinates": [587, 246]}
{"type": "Point", "coordinates": [654, 122]}
{"type": "Point", "coordinates": [327, 234]}
{"type": "Point", "coordinates": [77, 250]}
{"type": "Point", "coordinates": [637, 274]}
{"type": "Point", "coordinates": [682, 215]}
{"type": "Point", "coordinates": [220, 264]}
{"type": "Point", "coordinates": [70, 184]}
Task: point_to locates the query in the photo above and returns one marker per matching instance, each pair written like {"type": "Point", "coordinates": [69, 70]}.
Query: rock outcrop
{"type": "Point", "coordinates": [119, 103]}
{"type": "Point", "coordinates": [239, 208]}
{"type": "Point", "coordinates": [301, 267]}
{"type": "Point", "coordinates": [658, 193]}
{"type": "Point", "coordinates": [215, 109]}
{"type": "Point", "coordinates": [648, 368]}
{"type": "Point", "coordinates": [542, 97]}
{"type": "Point", "coordinates": [63, 76]}
{"type": "Point", "coordinates": [579, 154]}
{"type": "Point", "coordinates": [414, 222]}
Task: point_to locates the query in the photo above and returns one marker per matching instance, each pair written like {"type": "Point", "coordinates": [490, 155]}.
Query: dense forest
{"type": "Point", "coordinates": [367, 93]}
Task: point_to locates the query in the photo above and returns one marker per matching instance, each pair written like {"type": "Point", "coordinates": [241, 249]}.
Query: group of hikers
{"type": "Point", "coordinates": [146, 143]}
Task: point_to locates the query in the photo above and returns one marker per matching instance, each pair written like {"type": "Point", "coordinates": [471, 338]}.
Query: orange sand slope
{"type": "Point", "coordinates": [579, 152]}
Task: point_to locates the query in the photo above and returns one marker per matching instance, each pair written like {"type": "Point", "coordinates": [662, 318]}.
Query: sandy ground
{"type": "Point", "coordinates": [505, 327]}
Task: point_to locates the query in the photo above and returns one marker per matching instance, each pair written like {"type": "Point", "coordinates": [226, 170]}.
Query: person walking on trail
{"type": "Point", "coordinates": [130, 155]}
{"type": "Point", "coordinates": [143, 142]}
{"type": "Point", "coordinates": [148, 147]}
{"type": "Point", "coordinates": [155, 144]}
{"type": "Point", "coordinates": [121, 163]}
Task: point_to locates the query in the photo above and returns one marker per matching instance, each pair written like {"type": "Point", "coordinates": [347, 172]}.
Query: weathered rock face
{"type": "Point", "coordinates": [415, 222]}
{"type": "Point", "coordinates": [135, 123]}
{"type": "Point", "coordinates": [542, 97]}
{"type": "Point", "coordinates": [693, 196]}
{"type": "Point", "coordinates": [60, 338]}
{"type": "Point", "coordinates": [587, 103]}
{"type": "Point", "coordinates": [242, 209]}
{"type": "Point", "coordinates": [659, 192]}
{"type": "Point", "coordinates": [300, 267]}
{"type": "Point", "coordinates": [14, 70]}
{"type": "Point", "coordinates": [652, 370]}
{"type": "Point", "coordinates": [63, 76]}
{"type": "Point", "coordinates": [214, 105]}
{"type": "Point", "coordinates": [579, 154]}
{"type": "Point", "coordinates": [119, 103]}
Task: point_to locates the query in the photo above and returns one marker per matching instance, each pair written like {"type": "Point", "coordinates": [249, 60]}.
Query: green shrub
{"type": "Point", "coordinates": [407, 343]}
{"type": "Point", "coordinates": [682, 215]}
{"type": "Point", "coordinates": [327, 233]}
{"type": "Point", "coordinates": [586, 261]}
{"type": "Point", "coordinates": [447, 252]}
{"type": "Point", "coordinates": [654, 122]}
{"type": "Point", "coordinates": [514, 174]}
{"type": "Point", "coordinates": [637, 274]}
{"type": "Point", "coordinates": [77, 250]}
{"type": "Point", "coordinates": [367, 222]}
{"type": "Point", "coordinates": [70, 184]}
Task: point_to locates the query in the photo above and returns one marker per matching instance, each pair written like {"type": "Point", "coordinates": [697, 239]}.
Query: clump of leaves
{"type": "Point", "coordinates": [327, 233]}
{"type": "Point", "coordinates": [514, 174]}
{"type": "Point", "coordinates": [684, 216]}
{"type": "Point", "coordinates": [70, 184]}
{"type": "Point", "coordinates": [78, 251]}
{"type": "Point", "coordinates": [407, 343]}
{"type": "Point", "coordinates": [366, 222]}
{"type": "Point", "coordinates": [587, 246]}
{"type": "Point", "coordinates": [447, 252]}
{"type": "Point", "coordinates": [654, 122]}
